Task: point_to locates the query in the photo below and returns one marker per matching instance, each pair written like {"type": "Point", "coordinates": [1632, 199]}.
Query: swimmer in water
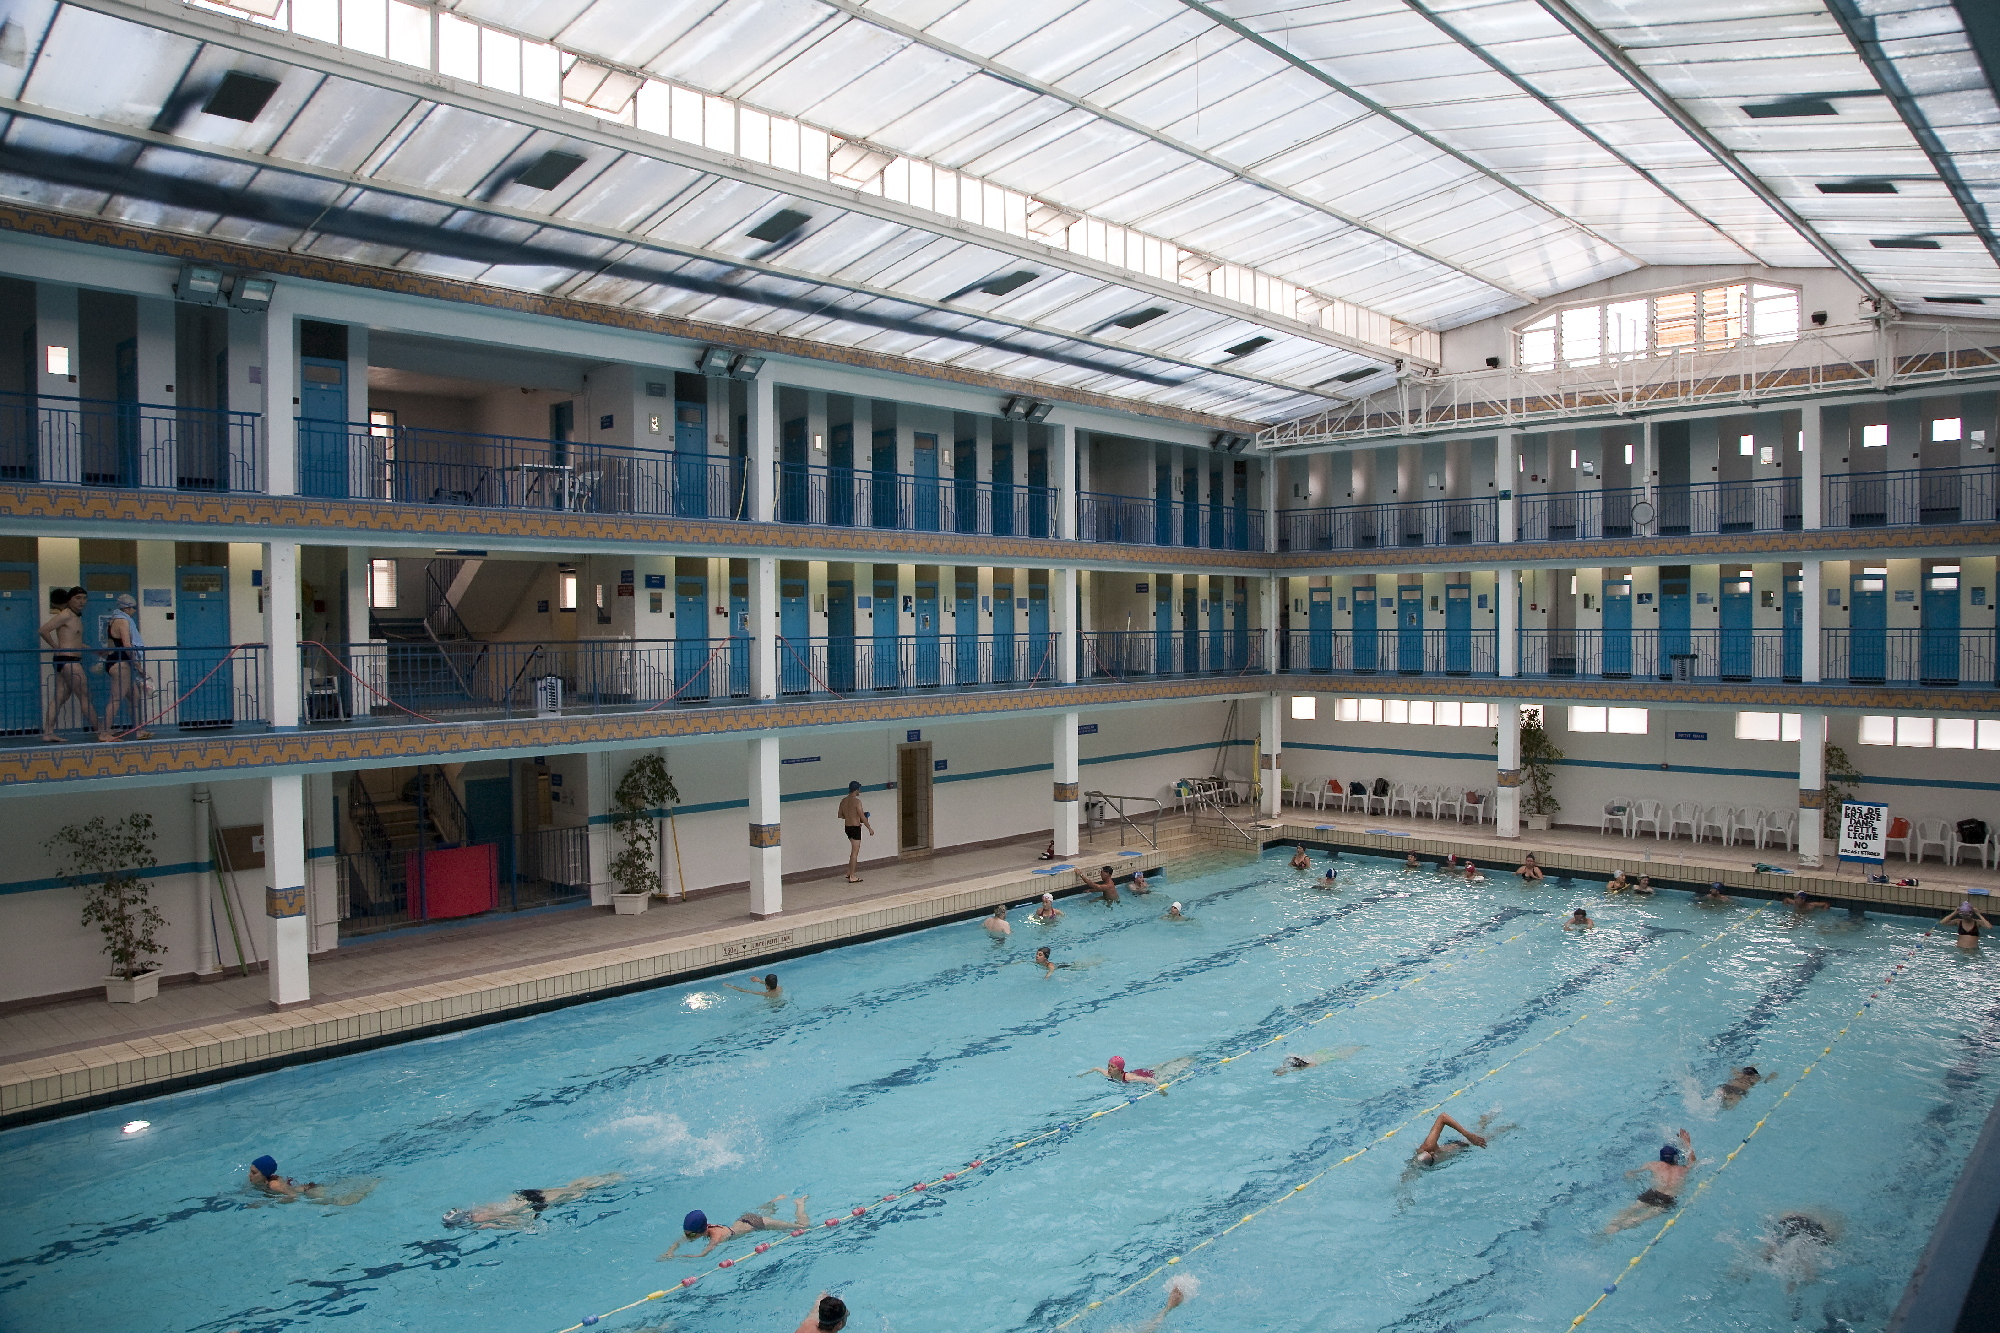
{"type": "Point", "coordinates": [1115, 1070]}
{"type": "Point", "coordinates": [264, 1176]}
{"type": "Point", "coordinates": [520, 1209]}
{"type": "Point", "coordinates": [1472, 875]}
{"type": "Point", "coordinates": [1797, 1245]}
{"type": "Point", "coordinates": [1411, 862]}
{"type": "Point", "coordinates": [1530, 870]}
{"type": "Point", "coordinates": [1301, 860]}
{"type": "Point", "coordinates": [1670, 1173]}
{"type": "Point", "coordinates": [1969, 922]}
{"type": "Point", "coordinates": [829, 1315]}
{"type": "Point", "coordinates": [1174, 913]}
{"type": "Point", "coordinates": [1434, 1150]}
{"type": "Point", "coordinates": [1618, 884]}
{"type": "Point", "coordinates": [1801, 905]}
{"type": "Point", "coordinates": [1330, 880]}
{"type": "Point", "coordinates": [997, 924]}
{"type": "Point", "coordinates": [1448, 866]}
{"type": "Point", "coordinates": [1712, 896]}
{"type": "Point", "coordinates": [1579, 920]}
{"type": "Point", "coordinates": [1048, 913]}
{"type": "Point", "coordinates": [1312, 1060]}
{"type": "Point", "coordinates": [1739, 1085]}
{"type": "Point", "coordinates": [769, 988]}
{"type": "Point", "coordinates": [1043, 961]}
{"type": "Point", "coordinates": [1180, 1288]}
{"type": "Point", "coordinates": [1104, 882]}
{"type": "Point", "coordinates": [1644, 887]}
{"type": "Point", "coordinates": [696, 1226]}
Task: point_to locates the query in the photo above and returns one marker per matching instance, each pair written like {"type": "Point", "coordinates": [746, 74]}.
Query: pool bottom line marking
{"type": "Point", "coordinates": [951, 1177]}
{"type": "Point", "coordinates": [1405, 1123]}
{"type": "Point", "coordinates": [1895, 975]}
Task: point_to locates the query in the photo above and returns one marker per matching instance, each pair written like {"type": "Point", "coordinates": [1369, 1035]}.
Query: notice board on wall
{"type": "Point", "coordinates": [454, 881]}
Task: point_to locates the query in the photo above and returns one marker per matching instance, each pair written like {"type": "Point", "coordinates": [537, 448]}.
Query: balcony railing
{"type": "Point", "coordinates": [846, 497]}
{"type": "Point", "coordinates": [1684, 655]}
{"type": "Point", "coordinates": [191, 689]}
{"type": "Point", "coordinates": [149, 446]}
{"type": "Point", "coordinates": [1389, 652]}
{"type": "Point", "coordinates": [914, 663]}
{"type": "Point", "coordinates": [1913, 496]}
{"type": "Point", "coordinates": [1371, 527]}
{"type": "Point", "coordinates": [1138, 520]}
{"type": "Point", "coordinates": [535, 869]}
{"type": "Point", "coordinates": [414, 465]}
{"type": "Point", "coordinates": [1125, 654]}
{"type": "Point", "coordinates": [1908, 657]}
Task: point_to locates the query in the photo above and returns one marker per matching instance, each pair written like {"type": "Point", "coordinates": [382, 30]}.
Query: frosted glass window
{"type": "Point", "coordinates": [1626, 721]}
{"type": "Point", "coordinates": [719, 124]}
{"type": "Point", "coordinates": [1876, 731]}
{"type": "Point", "coordinates": [382, 583]}
{"type": "Point", "coordinates": [1395, 710]}
{"type": "Point", "coordinates": [1957, 733]}
{"type": "Point", "coordinates": [1422, 712]}
{"type": "Point", "coordinates": [754, 128]}
{"type": "Point", "coordinates": [1757, 726]}
{"type": "Point", "coordinates": [1989, 735]}
{"type": "Point", "coordinates": [655, 111]}
{"type": "Point", "coordinates": [1587, 719]}
{"type": "Point", "coordinates": [1947, 428]}
{"type": "Point", "coordinates": [1305, 707]}
{"type": "Point", "coordinates": [1371, 710]}
{"type": "Point", "coordinates": [458, 48]}
{"type": "Point", "coordinates": [1875, 436]}
{"type": "Point", "coordinates": [1347, 710]}
{"type": "Point", "coordinates": [1448, 715]}
{"type": "Point", "coordinates": [541, 73]}
{"type": "Point", "coordinates": [1919, 732]}
{"type": "Point", "coordinates": [500, 61]}
{"type": "Point", "coordinates": [687, 115]}
{"type": "Point", "coordinates": [364, 26]}
{"type": "Point", "coordinates": [318, 19]}
{"type": "Point", "coordinates": [409, 34]}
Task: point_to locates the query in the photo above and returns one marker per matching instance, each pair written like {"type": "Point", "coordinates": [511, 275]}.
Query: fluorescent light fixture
{"type": "Point", "coordinates": [1947, 428]}
{"type": "Point", "coordinates": [714, 361]}
{"type": "Point", "coordinates": [781, 225]}
{"type": "Point", "coordinates": [745, 366]}
{"type": "Point", "coordinates": [1856, 187]}
{"type": "Point", "coordinates": [56, 359]}
{"type": "Point", "coordinates": [1746, 445]}
{"type": "Point", "coordinates": [253, 295]}
{"type": "Point", "coordinates": [1875, 436]}
{"type": "Point", "coordinates": [819, 444]}
{"type": "Point", "coordinates": [549, 170]}
{"type": "Point", "coordinates": [240, 96]}
{"type": "Point", "coordinates": [198, 285]}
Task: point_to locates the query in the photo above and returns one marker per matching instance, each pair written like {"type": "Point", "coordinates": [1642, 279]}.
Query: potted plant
{"type": "Point", "coordinates": [646, 788]}
{"type": "Point", "coordinates": [1538, 779]}
{"type": "Point", "coordinates": [107, 860]}
{"type": "Point", "coordinates": [1843, 779]}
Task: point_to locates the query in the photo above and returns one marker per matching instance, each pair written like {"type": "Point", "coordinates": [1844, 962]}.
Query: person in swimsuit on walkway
{"type": "Point", "coordinates": [522, 1207]}
{"type": "Point", "coordinates": [1579, 920]}
{"type": "Point", "coordinates": [1104, 882]}
{"type": "Point", "coordinates": [1048, 912]}
{"type": "Point", "coordinates": [1670, 1173]}
{"type": "Point", "coordinates": [853, 818]}
{"type": "Point", "coordinates": [1302, 860]}
{"type": "Point", "coordinates": [696, 1225]}
{"type": "Point", "coordinates": [1530, 869]}
{"type": "Point", "coordinates": [829, 1316]}
{"type": "Point", "coordinates": [126, 663]}
{"type": "Point", "coordinates": [63, 633]}
{"type": "Point", "coordinates": [1739, 1085]}
{"type": "Point", "coordinates": [997, 924]}
{"type": "Point", "coordinates": [768, 988]}
{"type": "Point", "coordinates": [1969, 923]}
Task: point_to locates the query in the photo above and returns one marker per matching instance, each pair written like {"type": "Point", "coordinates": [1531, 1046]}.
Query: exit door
{"type": "Point", "coordinates": [1868, 627]}
{"type": "Point", "coordinates": [1410, 630]}
{"type": "Point", "coordinates": [925, 458]}
{"type": "Point", "coordinates": [913, 797]}
{"type": "Point", "coordinates": [1003, 633]}
{"type": "Point", "coordinates": [21, 670]}
{"type": "Point", "coordinates": [322, 427]}
{"type": "Point", "coordinates": [1365, 642]}
{"type": "Point", "coordinates": [887, 666]}
{"type": "Point", "coordinates": [1458, 629]}
{"type": "Point", "coordinates": [201, 623]}
{"type": "Point", "coordinates": [965, 652]}
{"type": "Point", "coordinates": [1940, 626]}
{"type": "Point", "coordinates": [1040, 663]}
{"type": "Point", "coordinates": [1738, 654]}
{"type": "Point", "coordinates": [1617, 631]}
{"type": "Point", "coordinates": [882, 505]}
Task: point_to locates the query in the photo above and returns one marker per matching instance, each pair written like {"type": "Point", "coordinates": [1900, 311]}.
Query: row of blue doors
{"type": "Point", "coordinates": [1018, 624]}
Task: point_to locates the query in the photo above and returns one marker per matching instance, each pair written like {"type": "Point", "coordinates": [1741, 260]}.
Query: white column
{"type": "Point", "coordinates": [762, 457]}
{"type": "Point", "coordinates": [281, 635]}
{"type": "Point", "coordinates": [1269, 590]}
{"type": "Point", "coordinates": [1066, 793]}
{"type": "Point", "coordinates": [1507, 606]}
{"type": "Point", "coordinates": [764, 627]}
{"type": "Point", "coordinates": [1268, 474]}
{"type": "Point", "coordinates": [767, 861]}
{"type": "Point", "coordinates": [1812, 786]}
{"type": "Point", "coordinates": [154, 372]}
{"type": "Point", "coordinates": [1507, 789]}
{"type": "Point", "coordinates": [60, 458]}
{"type": "Point", "coordinates": [1271, 759]}
{"type": "Point", "coordinates": [1649, 462]}
{"type": "Point", "coordinates": [322, 872]}
{"type": "Point", "coordinates": [1062, 614]}
{"type": "Point", "coordinates": [281, 402]}
{"type": "Point", "coordinates": [1812, 607]}
{"type": "Point", "coordinates": [1062, 474]}
{"type": "Point", "coordinates": [206, 927]}
{"type": "Point", "coordinates": [1812, 470]}
{"type": "Point", "coordinates": [356, 628]}
{"type": "Point", "coordinates": [1506, 451]}
{"type": "Point", "coordinates": [604, 844]}
{"type": "Point", "coordinates": [285, 889]}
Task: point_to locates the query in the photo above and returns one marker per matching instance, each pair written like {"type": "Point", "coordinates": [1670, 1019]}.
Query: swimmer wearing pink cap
{"type": "Point", "coordinates": [1115, 1070]}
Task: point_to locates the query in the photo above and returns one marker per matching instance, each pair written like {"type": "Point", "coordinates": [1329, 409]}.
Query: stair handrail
{"type": "Point", "coordinates": [1194, 821]}
{"type": "Point", "coordinates": [1126, 821]}
{"type": "Point", "coordinates": [375, 843]}
{"type": "Point", "coordinates": [434, 780]}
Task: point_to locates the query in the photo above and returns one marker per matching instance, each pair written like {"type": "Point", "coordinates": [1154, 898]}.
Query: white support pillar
{"type": "Point", "coordinates": [597, 797]}
{"type": "Point", "coordinates": [767, 858]}
{"type": "Point", "coordinates": [1067, 797]}
{"type": "Point", "coordinates": [1812, 470]}
{"type": "Point", "coordinates": [281, 400]}
{"type": "Point", "coordinates": [1508, 479]}
{"type": "Point", "coordinates": [763, 570]}
{"type": "Point", "coordinates": [285, 906]}
{"type": "Point", "coordinates": [1271, 754]}
{"type": "Point", "coordinates": [281, 635]}
{"type": "Point", "coordinates": [1507, 781]}
{"type": "Point", "coordinates": [1812, 612]}
{"type": "Point", "coordinates": [1507, 608]}
{"type": "Point", "coordinates": [1063, 614]}
{"type": "Point", "coordinates": [1268, 475]}
{"type": "Point", "coordinates": [1812, 786]}
{"type": "Point", "coordinates": [322, 872]}
{"type": "Point", "coordinates": [153, 370]}
{"type": "Point", "coordinates": [1062, 475]}
{"type": "Point", "coordinates": [1269, 590]}
{"type": "Point", "coordinates": [207, 930]}
{"type": "Point", "coordinates": [1649, 480]}
{"type": "Point", "coordinates": [761, 461]}
{"type": "Point", "coordinates": [359, 600]}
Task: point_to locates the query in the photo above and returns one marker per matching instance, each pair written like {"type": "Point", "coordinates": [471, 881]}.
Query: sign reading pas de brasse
{"type": "Point", "coordinates": [1864, 831]}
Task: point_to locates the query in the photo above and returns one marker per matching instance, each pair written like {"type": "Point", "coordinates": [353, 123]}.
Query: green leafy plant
{"type": "Point", "coordinates": [1843, 779]}
{"type": "Point", "coordinates": [107, 860]}
{"type": "Point", "coordinates": [1538, 757]}
{"type": "Point", "coordinates": [646, 787]}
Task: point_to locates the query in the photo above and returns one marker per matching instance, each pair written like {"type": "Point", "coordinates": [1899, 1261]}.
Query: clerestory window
{"type": "Point", "coordinates": [1707, 319]}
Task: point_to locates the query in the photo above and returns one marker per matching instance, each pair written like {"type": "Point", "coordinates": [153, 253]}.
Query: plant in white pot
{"type": "Point", "coordinates": [645, 788]}
{"type": "Point", "coordinates": [1538, 779]}
{"type": "Point", "coordinates": [107, 860]}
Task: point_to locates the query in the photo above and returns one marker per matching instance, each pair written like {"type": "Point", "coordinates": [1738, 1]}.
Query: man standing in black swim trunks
{"type": "Point", "coordinates": [854, 819]}
{"type": "Point", "coordinates": [63, 632]}
{"type": "Point", "coordinates": [1670, 1173]}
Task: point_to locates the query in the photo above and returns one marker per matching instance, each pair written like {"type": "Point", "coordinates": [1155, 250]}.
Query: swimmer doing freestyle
{"type": "Point", "coordinates": [695, 1226]}
{"type": "Point", "coordinates": [1670, 1174]}
{"type": "Point", "coordinates": [520, 1209]}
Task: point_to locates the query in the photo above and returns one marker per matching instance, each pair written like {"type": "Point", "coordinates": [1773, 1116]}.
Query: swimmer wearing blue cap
{"type": "Point", "coordinates": [264, 1176]}
{"type": "Point", "coordinates": [696, 1225]}
{"type": "Point", "coordinates": [520, 1209]}
{"type": "Point", "coordinates": [1670, 1174]}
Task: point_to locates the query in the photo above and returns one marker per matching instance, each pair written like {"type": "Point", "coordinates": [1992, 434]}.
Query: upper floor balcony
{"type": "Point", "coordinates": [1140, 520]}
{"type": "Point", "coordinates": [149, 446]}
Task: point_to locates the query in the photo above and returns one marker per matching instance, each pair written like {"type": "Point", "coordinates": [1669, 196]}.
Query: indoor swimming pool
{"type": "Point", "coordinates": [898, 1061]}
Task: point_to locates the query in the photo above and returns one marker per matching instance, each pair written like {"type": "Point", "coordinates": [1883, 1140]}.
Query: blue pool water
{"type": "Point", "coordinates": [895, 1061]}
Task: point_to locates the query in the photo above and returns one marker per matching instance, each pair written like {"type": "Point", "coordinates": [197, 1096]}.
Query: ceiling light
{"type": "Point", "coordinates": [240, 96]}
{"type": "Point", "coordinates": [549, 170]}
{"type": "Point", "coordinates": [1905, 243]}
{"type": "Point", "coordinates": [1138, 317]}
{"type": "Point", "coordinates": [856, 164]}
{"type": "Point", "coordinates": [1792, 106]}
{"type": "Point", "coordinates": [198, 285]}
{"type": "Point", "coordinates": [781, 225]}
{"type": "Point", "coordinates": [1007, 282]}
{"type": "Point", "coordinates": [1856, 187]}
{"type": "Point", "coordinates": [253, 295]}
{"type": "Point", "coordinates": [1040, 411]}
{"type": "Point", "coordinates": [714, 361]}
{"type": "Point", "coordinates": [1048, 220]}
{"type": "Point", "coordinates": [1244, 348]}
{"type": "Point", "coordinates": [745, 366]}
{"type": "Point", "coordinates": [1017, 407]}
{"type": "Point", "coordinates": [1350, 376]}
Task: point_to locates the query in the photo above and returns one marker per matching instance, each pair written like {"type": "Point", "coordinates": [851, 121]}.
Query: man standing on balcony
{"type": "Point", "coordinates": [63, 633]}
{"type": "Point", "coordinates": [854, 818]}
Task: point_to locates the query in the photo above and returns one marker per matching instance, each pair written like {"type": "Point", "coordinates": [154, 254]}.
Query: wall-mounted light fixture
{"type": "Point", "coordinates": [252, 296]}
{"type": "Point", "coordinates": [745, 366]}
{"type": "Point", "coordinates": [198, 285]}
{"type": "Point", "coordinates": [714, 361]}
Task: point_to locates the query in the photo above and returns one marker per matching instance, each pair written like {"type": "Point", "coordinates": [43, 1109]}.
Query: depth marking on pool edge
{"type": "Point", "coordinates": [951, 1176]}
{"type": "Point", "coordinates": [1400, 1126]}
{"type": "Point", "coordinates": [1895, 975]}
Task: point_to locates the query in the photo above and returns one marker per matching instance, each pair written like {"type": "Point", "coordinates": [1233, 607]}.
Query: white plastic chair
{"type": "Point", "coordinates": [1932, 833]}
{"type": "Point", "coordinates": [1889, 844]}
{"type": "Point", "coordinates": [1958, 849]}
{"type": "Point", "coordinates": [1716, 817]}
{"type": "Point", "coordinates": [1404, 795]}
{"type": "Point", "coordinates": [1452, 799]}
{"type": "Point", "coordinates": [1378, 804]}
{"type": "Point", "coordinates": [1749, 821]}
{"type": "Point", "coordinates": [1644, 812]}
{"type": "Point", "coordinates": [1991, 850]}
{"type": "Point", "coordinates": [1780, 824]}
{"type": "Point", "coordinates": [1617, 814]}
{"type": "Point", "coordinates": [1686, 813]}
{"type": "Point", "coordinates": [1475, 804]}
{"type": "Point", "coordinates": [1424, 799]}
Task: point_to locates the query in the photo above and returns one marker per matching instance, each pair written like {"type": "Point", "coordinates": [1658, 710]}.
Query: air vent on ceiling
{"type": "Point", "coordinates": [549, 170]}
{"type": "Point", "coordinates": [1246, 347]}
{"type": "Point", "coordinates": [1138, 317]}
{"type": "Point", "coordinates": [240, 96]}
{"type": "Point", "coordinates": [1793, 106]}
{"type": "Point", "coordinates": [1350, 376]}
{"type": "Point", "coordinates": [1857, 187]}
{"type": "Point", "coordinates": [1956, 300]}
{"type": "Point", "coordinates": [779, 225]}
{"type": "Point", "coordinates": [1905, 243]}
{"type": "Point", "coordinates": [1007, 282]}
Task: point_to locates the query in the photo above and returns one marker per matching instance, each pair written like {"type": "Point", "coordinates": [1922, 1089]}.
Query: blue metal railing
{"type": "Point", "coordinates": [844, 497]}
{"type": "Point", "coordinates": [416, 465]}
{"type": "Point", "coordinates": [1138, 520]}
{"type": "Point", "coordinates": [191, 689]}
{"type": "Point", "coordinates": [1122, 654]}
{"type": "Point", "coordinates": [1637, 511]}
{"type": "Point", "coordinates": [149, 446]}
{"type": "Point", "coordinates": [1432, 652]}
{"type": "Point", "coordinates": [1377, 526]}
{"type": "Point", "coordinates": [914, 663]}
{"type": "Point", "coordinates": [1685, 655]}
{"type": "Point", "coordinates": [1913, 496]}
{"type": "Point", "coordinates": [1908, 656]}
